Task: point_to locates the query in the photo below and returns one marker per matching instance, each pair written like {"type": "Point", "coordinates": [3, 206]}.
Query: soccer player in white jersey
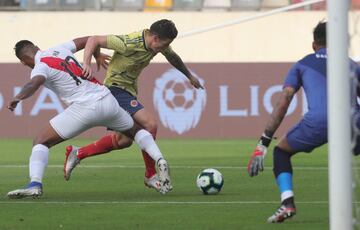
{"type": "Point", "coordinates": [89, 103]}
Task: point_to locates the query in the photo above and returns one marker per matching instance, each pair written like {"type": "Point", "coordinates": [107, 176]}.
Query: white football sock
{"type": "Point", "coordinates": [286, 194]}
{"type": "Point", "coordinates": [146, 142]}
{"type": "Point", "coordinates": [38, 161]}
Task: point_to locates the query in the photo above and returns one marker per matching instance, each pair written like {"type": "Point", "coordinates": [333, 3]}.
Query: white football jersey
{"type": "Point", "coordinates": [62, 75]}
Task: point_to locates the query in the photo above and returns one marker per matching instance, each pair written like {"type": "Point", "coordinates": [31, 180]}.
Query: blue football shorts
{"type": "Point", "coordinates": [126, 100]}
{"type": "Point", "coordinates": [304, 137]}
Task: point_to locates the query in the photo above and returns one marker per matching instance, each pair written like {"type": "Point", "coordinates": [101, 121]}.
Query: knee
{"type": "Point", "coordinates": [127, 144]}
{"type": "Point", "coordinates": [121, 141]}
{"type": "Point", "coordinates": [152, 127]}
{"type": "Point", "coordinates": [41, 141]}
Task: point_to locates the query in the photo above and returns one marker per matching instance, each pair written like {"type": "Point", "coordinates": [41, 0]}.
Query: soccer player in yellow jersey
{"type": "Point", "coordinates": [132, 53]}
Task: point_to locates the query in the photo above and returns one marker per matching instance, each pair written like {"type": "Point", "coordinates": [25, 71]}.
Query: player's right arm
{"type": "Point", "coordinates": [256, 163]}
{"type": "Point", "coordinates": [27, 91]}
{"type": "Point", "coordinates": [279, 111]}
{"type": "Point", "coordinates": [93, 43]}
{"type": "Point", "coordinates": [291, 86]}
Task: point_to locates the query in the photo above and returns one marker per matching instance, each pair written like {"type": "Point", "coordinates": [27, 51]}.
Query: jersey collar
{"type": "Point", "coordinates": [321, 51]}
{"type": "Point", "coordinates": [143, 38]}
{"type": "Point", "coordinates": [37, 56]}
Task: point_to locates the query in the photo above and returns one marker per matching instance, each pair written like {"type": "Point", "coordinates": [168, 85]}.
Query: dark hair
{"type": "Point", "coordinates": [164, 28]}
{"type": "Point", "coordinates": [21, 46]}
{"type": "Point", "coordinates": [320, 34]}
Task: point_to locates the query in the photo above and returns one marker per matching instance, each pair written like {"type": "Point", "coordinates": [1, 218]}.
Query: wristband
{"type": "Point", "coordinates": [264, 140]}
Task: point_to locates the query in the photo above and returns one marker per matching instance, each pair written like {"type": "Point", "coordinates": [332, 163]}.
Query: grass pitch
{"type": "Point", "coordinates": [107, 191]}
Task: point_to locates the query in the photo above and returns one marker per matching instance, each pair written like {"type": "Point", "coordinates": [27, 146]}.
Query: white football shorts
{"type": "Point", "coordinates": [78, 118]}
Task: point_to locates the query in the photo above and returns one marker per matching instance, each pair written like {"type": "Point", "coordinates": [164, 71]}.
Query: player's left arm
{"type": "Point", "coordinates": [27, 91]}
{"type": "Point", "coordinates": [175, 60]}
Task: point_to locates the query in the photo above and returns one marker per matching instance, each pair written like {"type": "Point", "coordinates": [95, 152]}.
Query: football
{"type": "Point", "coordinates": [210, 181]}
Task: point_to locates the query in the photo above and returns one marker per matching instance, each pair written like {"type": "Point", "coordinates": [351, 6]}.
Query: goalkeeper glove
{"type": "Point", "coordinates": [256, 163]}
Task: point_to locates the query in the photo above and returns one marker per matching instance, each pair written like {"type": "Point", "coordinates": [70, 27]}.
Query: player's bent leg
{"type": "Point", "coordinates": [104, 145]}
{"type": "Point", "coordinates": [148, 122]}
{"type": "Point", "coordinates": [146, 142]}
{"type": "Point", "coordinates": [143, 119]}
{"type": "Point", "coordinates": [283, 175]}
{"type": "Point", "coordinates": [109, 116]}
{"type": "Point", "coordinates": [38, 162]}
{"type": "Point", "coordinates": [74, 155]}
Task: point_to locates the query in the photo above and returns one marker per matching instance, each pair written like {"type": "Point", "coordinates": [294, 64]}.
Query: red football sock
{"type": "Point", "coordinates": [150, 169]}
{"type": "Point", "coordinates": [103, 145]}
{"type": "Point", "coordinates": [149, 165]}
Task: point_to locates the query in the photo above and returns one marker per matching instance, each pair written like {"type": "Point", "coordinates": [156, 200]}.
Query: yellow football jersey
{"type": "Point", "coordinates": [129, 59]}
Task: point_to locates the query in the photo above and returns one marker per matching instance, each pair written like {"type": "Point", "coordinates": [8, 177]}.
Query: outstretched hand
{"type": "Point", "coordinates": [195, 82]}
{"type": "Point", "coordinates": [256, 162]}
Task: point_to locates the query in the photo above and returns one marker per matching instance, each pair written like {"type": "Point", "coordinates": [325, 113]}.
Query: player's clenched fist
{"type": "Point", "coordinates": [13, 103]}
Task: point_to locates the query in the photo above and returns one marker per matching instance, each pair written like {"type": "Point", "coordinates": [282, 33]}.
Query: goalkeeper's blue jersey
{"type": "Point", "coordinates": [310, 74]}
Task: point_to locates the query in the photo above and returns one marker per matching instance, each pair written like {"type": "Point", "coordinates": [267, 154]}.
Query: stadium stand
{"type": "Point", "coordinates": [40, 5]}
{"type": "Point", "coordinates": [68, 5]}
{"type": "Point", "coordinates": [9, 5]}
{"type": "Point", "coordinates": [187, 5]}
{"type": "Point", "coordinates": [129, 5]}
{"type": "Point", "coordinates": [216, 5]}
{"type": "Point", "coordinates": [317, 6]}
{"type": "Point", "coordinates": [246, 4]}
{"type": "Point", "coordinates": [158, 5]}
{"type": "Point", "coordinates": [274, 3]}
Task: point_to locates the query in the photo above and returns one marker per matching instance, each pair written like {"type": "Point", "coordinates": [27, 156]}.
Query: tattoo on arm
{"type": "Point", "coordinates": [279, 111]}
{"type": "Point", "coordinates": [176, 61]}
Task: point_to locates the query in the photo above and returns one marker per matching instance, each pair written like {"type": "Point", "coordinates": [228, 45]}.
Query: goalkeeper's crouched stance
{"type": "Point", "coordinates": [308, 134]}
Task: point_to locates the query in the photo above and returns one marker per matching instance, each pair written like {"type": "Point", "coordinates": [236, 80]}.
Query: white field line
{"type": "Point", "coordinates": [172, 166]}
{"type": "Point", "coordinates": [160, 202]}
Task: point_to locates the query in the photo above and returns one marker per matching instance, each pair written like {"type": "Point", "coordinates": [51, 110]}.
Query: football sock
{"type": "Point", "coordinates": [38, 161]}
{"type": "Point", "coordinates": [289, 202]}
{"type": "Point", "coordinates": [283, 173]}
{"type": "Point", "coordinates": [146, 142]}
{"type": "Point", "coordinates": [149, 165]}
{"type": "Point", "coordinates": [103, 145]}
{"type": "Point", "coordinates": [150, 169]}
{"type": "Point", "coordinates": [34, 183]}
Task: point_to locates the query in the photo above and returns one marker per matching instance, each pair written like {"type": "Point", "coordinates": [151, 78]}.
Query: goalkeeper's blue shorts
{"type": "Point", "coordinates": [305, 138]}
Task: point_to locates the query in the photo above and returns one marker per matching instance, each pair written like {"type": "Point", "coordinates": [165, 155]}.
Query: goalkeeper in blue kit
{"type": "Point", "coordinates": [309, 133]}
